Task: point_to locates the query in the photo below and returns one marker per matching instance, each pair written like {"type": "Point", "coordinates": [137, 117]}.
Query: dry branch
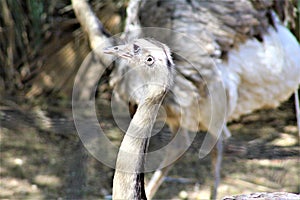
{"type": "Point", "coordinates": [99, 39]}
{"type": "Point", "coordinates": [98, 36]}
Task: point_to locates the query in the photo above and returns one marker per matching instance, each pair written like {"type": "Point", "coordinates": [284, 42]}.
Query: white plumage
{"type": "Point", "coordinates": [256, 75]}
{"type": "Point", "coordinates": [261, 68]}
{"type": "Point", "coordinates": [245, 50]}
{"type": "Point", "coordinates": [262, 74]}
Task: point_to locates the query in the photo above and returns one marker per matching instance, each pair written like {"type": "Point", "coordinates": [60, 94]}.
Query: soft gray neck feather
{"type": "Point", "coordinates": [131, 156]}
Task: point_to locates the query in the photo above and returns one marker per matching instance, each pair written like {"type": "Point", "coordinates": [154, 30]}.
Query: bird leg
{"type": "Point", "coordinates": [159, 175]}
{"type": "Point", "coordinates": [217, 156]}
{"type": "Point", "coordinates": [297, 110]}
{"type": "Point", "coordinates": [156, 180]}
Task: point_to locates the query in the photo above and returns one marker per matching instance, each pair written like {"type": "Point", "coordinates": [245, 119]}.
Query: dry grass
{"type": "Point", "coordinates": [262, 155]}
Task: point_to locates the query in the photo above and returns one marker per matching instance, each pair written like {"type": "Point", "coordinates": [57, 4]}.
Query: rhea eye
{"type": "Point", "coordinates": [149, 60]}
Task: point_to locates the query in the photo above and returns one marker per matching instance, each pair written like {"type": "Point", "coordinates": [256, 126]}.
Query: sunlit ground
{"type": "Point", "coordinates": [262, 155]}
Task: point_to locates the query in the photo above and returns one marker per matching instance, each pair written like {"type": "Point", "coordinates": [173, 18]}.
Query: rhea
{"type": "Point", "coordinates": [152, 61]}
{"type": "Point", "coordinates": [257, 59]}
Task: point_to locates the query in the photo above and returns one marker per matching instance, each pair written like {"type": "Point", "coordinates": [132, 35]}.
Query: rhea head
{"type": "Point", "coordinates": [152, 61]}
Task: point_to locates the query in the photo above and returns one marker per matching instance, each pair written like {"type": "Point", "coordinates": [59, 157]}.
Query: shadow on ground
{"type": "Point", "coordinates": [42, 163]}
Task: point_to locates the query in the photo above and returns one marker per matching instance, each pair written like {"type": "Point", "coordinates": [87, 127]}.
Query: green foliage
{"type": "Point", "coordinates": [36, 10]}
{"type": "Point", "coordinates": [24, 27]}
{"type": "Point", "coordinates": [21, 38]}
{"type": "Point", "coordinates": [27, 27]}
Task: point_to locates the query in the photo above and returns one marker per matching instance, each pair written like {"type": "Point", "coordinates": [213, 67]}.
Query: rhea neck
{"type": "Point", "coordinates": [128, 180]}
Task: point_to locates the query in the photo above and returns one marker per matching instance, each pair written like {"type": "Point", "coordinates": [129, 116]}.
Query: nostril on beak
{"type": "Point", "coordinates": [110, 50]}
{"type": "Point", "coordinates": [119, 51]}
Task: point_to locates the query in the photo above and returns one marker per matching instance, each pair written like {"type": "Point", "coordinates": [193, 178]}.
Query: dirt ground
{"type": "Point", "coordinates": [262, 155]}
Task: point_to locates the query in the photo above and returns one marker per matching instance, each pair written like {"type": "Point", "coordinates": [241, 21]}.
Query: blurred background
{"type": "Point", "coordinates": [42, 47]}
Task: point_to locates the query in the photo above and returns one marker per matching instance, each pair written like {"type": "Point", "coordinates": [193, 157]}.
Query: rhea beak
{"type": "Point", "coordinates": [120, 51]}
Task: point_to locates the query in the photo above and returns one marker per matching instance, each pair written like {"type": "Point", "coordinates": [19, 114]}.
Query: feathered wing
{"type": "Point", "coordinates": [257, 58]}
{"type": "Point", "coordinates": [262, 74]}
